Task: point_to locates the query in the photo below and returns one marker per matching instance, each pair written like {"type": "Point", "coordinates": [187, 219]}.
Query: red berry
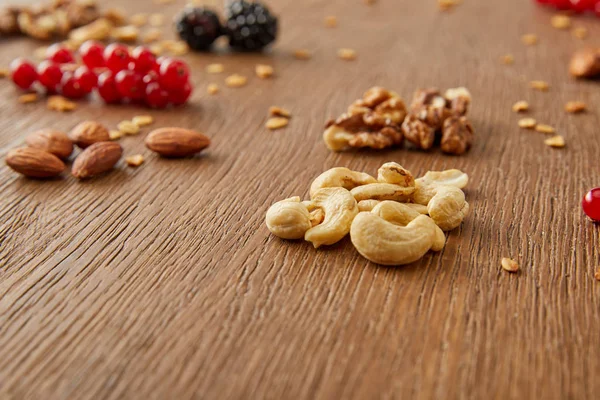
{"type": "Point", "coordinates": [173, 74]}
{"type": "Point", "coordinates": [130, 84]}
{"type": "Point", "coordinates": [591, 204]}
{"type": "Point", "coordinates": [143, 59]}
{"type": "Point", "coordinates": [560, 4]}
{"type": "Point", "coordinates": [156, 96]}
{"type": "Point", "coordinates": [597, 9]}
{"type": "Point", "coordinates": [107, 88]}
{"type": "Point", "coordinates": [23, 73]}
{"type": "Point", "coordinates": [92, 54]}
{"type": "Point", "coordinates": [49, 75]}
{"type": "Point", "coordinates": [86, 79]}
{"type": "Point", "coordinates": [181, 96]}
{"type": "Point", "coordinates": [150, 77]}
{"type": "Point", "coordinates": [70, 87]}
{"type": "Point", "coordinates": [116, 57]}
{"type": "Point", "coordinates": [582, 5]}
{"type": "Point", "coordinates": [59, 54]}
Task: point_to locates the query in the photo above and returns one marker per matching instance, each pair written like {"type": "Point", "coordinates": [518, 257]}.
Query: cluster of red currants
{"type": "Point", "coordinates": [574, 5]}
{"type": "Point", "coordinates": [116, 73]}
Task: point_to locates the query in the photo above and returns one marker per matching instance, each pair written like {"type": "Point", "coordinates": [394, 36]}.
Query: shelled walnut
{"type": "Point", "coordinates": [457, 135]}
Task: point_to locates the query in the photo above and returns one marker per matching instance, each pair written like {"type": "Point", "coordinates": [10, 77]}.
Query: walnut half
{"type": "Point", "coordinates": [457, 135]}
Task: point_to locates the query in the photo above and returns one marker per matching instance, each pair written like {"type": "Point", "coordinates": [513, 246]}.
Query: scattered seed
{"type": "Point", "coordinates": [580, 32]}
{"type": "Point", "coordinates": [212, 89]}
{"type": "Point", "coordinates": [347, 54]}
{"type": "Point", "coordinates": [156, 19]}
{"type": "Point", "coordinates": [302, 54]}
{"type": "Point", "coordinates": [59, 103]}
{"type": "Point", "coordinates": [555, 141]}
{"type": "Point", "coordinates": [520, 106]}
{"type": "Point", "coordinates": [279, 112]}
{"type": "Point", "coordinates": [575, 107]}
{"type": "Point", "coordinates": [330, 21]}
{"type": "Point", "coordinates": [597, 274]}
{"type": "Point", "coordinates": [28, 98]}
{"type": "Point", "coordinates": [276, 123]}
{"type": "Point", "coordinates": [447, 5]}
{"type": "Point", "coordinates": [527, 123]}
{"type": "Point", "coordinates": [152, 35]}
{"type": "Point", "coordinates": [544, 128]}
{"type": "Point", "coordinates": [127, 33]}
{"type": "Point", "coordinates": [135, 160]}
{"type": "Point", "coordinates": [369, 2]}
{"type": "Point", "coordinates": [509, 265]}
{"type": "Point", "coordinates": [539, 85]}
{"type": "Point", "coordinates": [128, 127]}
{"type": "Point", "coordinates": [235, 81]}
{"type": "Point", "coordinates": [215, 68]}
{"type": "Point", "coordinates": [139, 20]}
{"type": "Point", "coordinates": [142, 120]}
{"type": "Point", "coordinates": [560, 21]}
{"type": "Point", "coordinates": [508, 59]}
{"type": "Point", "coordinates": [264, 71]}
{"type": "Point", "coordinates": [114, 134]}
{"type": "Point", "coordinates": [529, 39]}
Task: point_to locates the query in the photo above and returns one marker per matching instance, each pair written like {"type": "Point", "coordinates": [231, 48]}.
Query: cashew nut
{"type": "Point", "coordinates": [383, 191]}
{"type": "Point", "coordinates": [368, 205]}
{"type": "Point", "coordinates": [382, 241]}
{"type": "Point", "coordinates": [337, 138]}
{"type": "Point", "coordinates": [426, 186]}
{"type": "Point", "coordinates": [288, 219]}
{"type": "Point", "coordinates": [340, 208]}
{"type": "Point", "coordinates": [340, 177]}
{"type": "Point", "coordinates": [448, 208]}
{"type": "Point", "coordinates": [392, 172]}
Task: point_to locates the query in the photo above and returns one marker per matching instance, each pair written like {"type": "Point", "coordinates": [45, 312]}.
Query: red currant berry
{"type": "Point", "coordinates": [92, 54]}
{"type": "Point", "coordinates": [156, 96]}
{"type": "Point", "coordinates": [23, 73]}
{"type": "Point", "coordinates": [173, 74]}
{"type": "Point", "coordinates": [49, 75]}
{"type": "Point", "coordinates": [70, 88]}
{"type": "Point", "coordinates": [597, 9]}
{"type": "Point", "coordinates": [591, 204]}
{"type": "Point", "coordinates": [143, 59]}
{"type": "Point", "coordinates": [107, 88]}
{"type": "Point", "coordinates": [582, 5]}
{"type": "Point", "coordinates": [130, 84]}
{"type": "Point", "coordinates": [59, 54]}
{"type": "Point", "coordinates": [116, 57]}
{"type": "Point", "coordinates": [86, 79]}
{"type": "Point", "coordinates": [150, 77]}
{"type": "Point", "coordinates": [180, 96]}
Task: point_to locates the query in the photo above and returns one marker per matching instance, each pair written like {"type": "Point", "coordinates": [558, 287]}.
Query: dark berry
{"type": "Point", "coordinates": [92, 54]}
{"type": "Point", "coordinates": [116, 57]}
{"type": "Point", "coordinates": [181, 95]}
{"type": "Point", "coordinates": [143, 59]}
{"type": "Point", "coordinates": [173, 74]}
{"type": "Point", "coordinates": [250, 26]}
{"type": "Point", "coordinates": [23, 73]}
{"type": "Point", "coordinates": [198, 27]}
{"type": "Point", "coordinates": [59, 54]}
{"type": "Point", "coordinates": [49, 75]}
{"type": "Point", "coordinates": [86, 78]}
{"type": "Point", "coordinates": [130, 84]}
{"type": "Point", "coordinates": [107, 88]}
{"type": "Point", "coordinates": [70, 87]}
{"type": "Point", "coordinates": [156, 96]}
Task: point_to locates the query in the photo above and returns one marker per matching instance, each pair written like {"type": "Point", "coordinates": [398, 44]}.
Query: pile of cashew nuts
{"type": "Point", "coordinates": [392, 220]}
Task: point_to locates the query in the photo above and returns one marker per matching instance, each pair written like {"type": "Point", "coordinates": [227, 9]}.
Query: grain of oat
{"type": "Point", "coordinates": [555, 141]}
{"type": "Point", "coordinates": [135, 160]}
{"type": "Point", "coordinates": [543, 128]}
{"type": "Point", "coordinates": [508, 59]}
{"type": "Point", "coordinates": [236, 80]}
{"type": "Point", "coordinates": [212, 89]}
{"type": "Point", "coordinates": [447, 5]}
{"type": "Point", "coordinates": [331, 21]}
{"type": "Point", "coordinates": [575, 107]}
{"type": "Point", "coordinates": [542, 86]}
{"type": "Point", "coordinates": [580, 32]}
{"type": "Point", "coordinates": [561, 21]}
{"type": "Point", "coordinates": [520, 106]}
{"type": "Point", "coordinates": [28, 98]}
{"type": "Point", "coordinates": [264, 71]}
{"type": "Point", "coordinates": [527, 123]}
{"type": "Point", "coordinates": [529, 39]}
{"type": "Point", "coordinates": [302, 54]}
{"type": "Point", "coordinates": [279, 112]}
{"type": "Point", "coordinates": [509, 265]}
{"type": "Point", "coordinates": [346, 54]}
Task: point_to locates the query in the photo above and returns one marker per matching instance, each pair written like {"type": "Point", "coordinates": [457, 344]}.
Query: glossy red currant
{"type": "Point", "coordinates": [70, 88]}
{"type": "Point", "coordinates": [156, 96]}
{"type": "Point", "coordinates": [116, 57]}
{"type": "Point", "coordinates": [130, 84]}
{"type": "Point", "coordinates": [107, 88]}
{"type": "Point", "coordinates": [59, 54]}
{"type": "Point", "coordinates": [92, 54]}
{"type": "Point", "coordinates": [180, 96]}
{"type": "Point", "coordinates": [49, 75]}
{"type": "Point", "coordinates": [86, 78]}
{"type": "Point", "coordinates": [23, 73]}
{"type": "Point", "coordinates": [591, 204]}
{"type": "Point", "coordinates": [173, 74]}
{"type": "Point", "coordinates": [143, 59]}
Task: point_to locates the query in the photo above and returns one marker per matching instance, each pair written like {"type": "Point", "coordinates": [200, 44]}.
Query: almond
{"type": "Point", "coordinates": [34, 163]}
{"type": "Point", "coordinates": [88, 133]}
{"type": "Point", "coordinates": [96, 159]}
{"type": "Point", "coordinates": [585, 63]}
{"type": "Point", "coordinates": [55, 142]}
{"type": "Point", "coordinates": [176, 142]}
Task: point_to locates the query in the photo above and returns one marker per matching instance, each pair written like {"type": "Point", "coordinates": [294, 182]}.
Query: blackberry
{"type": "Point", "coordinates": [199, 28]}
{"type": "Point", "coordinates": [250, 26]}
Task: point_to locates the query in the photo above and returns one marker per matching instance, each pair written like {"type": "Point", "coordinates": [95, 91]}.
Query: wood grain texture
{"type": "Point", "coordinates": [163, 281]}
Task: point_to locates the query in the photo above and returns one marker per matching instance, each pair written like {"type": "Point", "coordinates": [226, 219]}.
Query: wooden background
{"type": "Point", "coordinates": [163, 281]}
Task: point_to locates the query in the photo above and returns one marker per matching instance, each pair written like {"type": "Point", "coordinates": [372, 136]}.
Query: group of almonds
{"type": "Point", "coordinates": [48, 150]}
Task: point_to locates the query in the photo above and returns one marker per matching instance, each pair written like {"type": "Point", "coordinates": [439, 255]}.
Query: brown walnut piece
{"type": "Point", "coordinates": [55, 142]}
{"type": "Point", "coordinates": [8, 21]}
{"type": "Point", "coordinates": [88, 133]}
{"type": "Point", "coordinates": [430, 106]}
{"type": "Point", "coordinates": [176, 142]}
{"type": "Point", "coordinates": [96, 159]}
{"type": "Point", "coordinates": [585, 63]}
{"type": "Point", "coordinates": [418, 132]}
{"type": "Point", "coordinates": [457, 135]}
{"type": "Point", "coordinates": [34, 163]}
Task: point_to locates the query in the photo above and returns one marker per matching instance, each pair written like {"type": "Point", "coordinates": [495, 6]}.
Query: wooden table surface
{"type": "Point", "coordinates": [164, 282]}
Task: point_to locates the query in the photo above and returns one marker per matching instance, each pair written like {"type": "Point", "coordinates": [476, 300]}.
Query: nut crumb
{"type": "Point", "coordinates": [508, 59]}
{"type": "Point", "coordinates": [279, 112]}
{"type": "Point", "coordinates": [114, 134]}
{"type": "Point", "coordinates": [561, 21]}
{"type": "Point", "coordinates": [276, 123]}
{"type": "Point", "coordinates": [539, 85]}
{"type": "Point", "coordinates": [28, 98]}
{"type": "Point", "coordinates": [302, 54]}
{"type": "Point", "coordinates": [509, 265]}
{"type": "Point", "coordinates": [156, 19]}
{"type": "Point", "coordinates": [212, 88]}
{"type": "Point", "coordinates": [527, 123]}
{"type": "Point", "coordinates": [215, 68]}
{"type": "Point", "coordinates": [347, 54]}
{"type": "Point", "coordinates": [156, 49]}
{"type": "Point", "coordinates": [544, 128]}
{"type": "Point", "coordinates": [151, 35]}
{"type": "Point", "coordinates": [330, 21]}
{"type": "Point", "coordinates": [138, 20]}
{"type": "Point", "coordinates": [59, 103]}
{"type": "Point", "coordinates": [4, 73]}
{"type": "Point", "coordinates": [128, 127]}
{"type": "Point", "coordinates": [597, 274]}
{"type": "Point", "coordinates": [555, 141]}
{"type": "Point", "coordinates": [128, 33]}
{"type": "Point", "coordinates": [580, 32]}
{"type": "Point", "coordinates": [235, 81]}
{"type": "Point", "coordinates": [142, 120]}
{"type": "Point", "coordinates": [520, 106]}
{"type": "Point", "coordinates": [447, 5]}
{"type": "Point", "coordinates": [575, 107]}
{"type": "Point", "coordinates": [529, 39]}
{"type": "Point", "coordinates": [264, 71]}
{"type": "Point", "coordinates": [135, 160]}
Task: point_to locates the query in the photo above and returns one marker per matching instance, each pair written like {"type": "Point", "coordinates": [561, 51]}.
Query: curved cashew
{"type": "Point", "coordinates": [368, 205]}
{"type": "Point", "coordinates": [340, 177]}
{"type": "Point", "coordinates": [383, 242]}
{"type": "Point", "coordinates": [395, 173]}
{"type": "Point", "coordinates": [340, 209]}
{"type": "Point", "coordinates": [337, 138]}
{"type": "Point", "coordinates": [448, 208]}
{"type": "Point", "coordinates": [426, 186]}
{"type": "Point", "coordinates": [383, 191]}
{"type": "Point", "coordinates": [288, 219]}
